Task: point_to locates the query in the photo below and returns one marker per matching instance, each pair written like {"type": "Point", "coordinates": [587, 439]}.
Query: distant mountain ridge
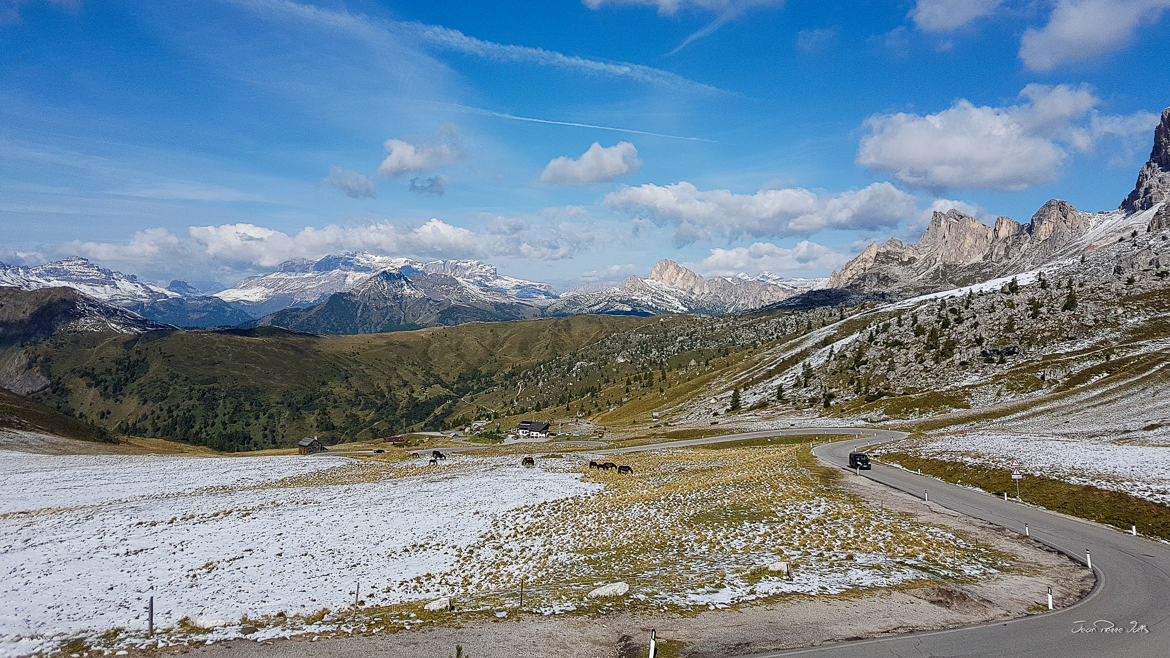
{"type": "Point", "coordinates": [308, 282]}
{"type": "Point", "coordinates": [86, 277]}
{"type": "Point", "coordinates": [413, 294]}
{"type": "Point", "coordinates": [444, 293]}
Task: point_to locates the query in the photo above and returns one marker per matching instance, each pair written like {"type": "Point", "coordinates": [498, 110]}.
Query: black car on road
{"type": "Point", "coordinates": [859, 460]}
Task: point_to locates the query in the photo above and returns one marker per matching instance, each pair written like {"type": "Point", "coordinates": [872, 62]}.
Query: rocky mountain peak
{"type": "Point", "coordinates": [955, 238]}
{"type": "Point", "coordinates": [1058, 218]}
{"type": "Point", "coordinates": [1153, 183]}
{"type": "Point", "coordinates": [383, 282]}
{"type": "Point", "coordinates": [670, 273]}
{"type": "Point", "coordinates": [182, 288]}
{"type": "Point", "coordinates": [1005, 227]}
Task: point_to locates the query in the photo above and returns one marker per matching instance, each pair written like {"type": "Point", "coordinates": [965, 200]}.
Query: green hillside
{"type": "Point", "coordinates": [245, 390]}
{"type": "Point", "coordinates": [20, 413]}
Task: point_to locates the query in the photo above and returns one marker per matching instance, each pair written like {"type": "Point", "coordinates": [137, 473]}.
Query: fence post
{"type": "Point", "coordinates": [356, 592]}
{"type": "Point", "coordinates": [150, 618]}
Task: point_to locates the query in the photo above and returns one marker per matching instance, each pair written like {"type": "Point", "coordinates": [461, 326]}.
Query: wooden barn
{"type": "Point", "coordinates": [310, 445]}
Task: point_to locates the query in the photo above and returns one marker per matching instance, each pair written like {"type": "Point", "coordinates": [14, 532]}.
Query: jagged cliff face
{"type": "Point", "coordinates": [1153, 183]}
{"type": "Point", "coordinates": [957, 249]}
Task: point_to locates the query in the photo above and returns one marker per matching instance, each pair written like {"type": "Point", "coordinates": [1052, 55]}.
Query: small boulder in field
{"type": "Point", "coordinates": [248, 630]}
{"type": "Point", "coordinates": [610, 590]}
{"type": "Point", "coordinates": [438, 605]}
{"type": "Point", "coordinates": [779, 567]}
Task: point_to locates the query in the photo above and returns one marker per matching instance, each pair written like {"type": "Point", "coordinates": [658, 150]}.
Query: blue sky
{"type": "Point", "coordinates": [569, 142]}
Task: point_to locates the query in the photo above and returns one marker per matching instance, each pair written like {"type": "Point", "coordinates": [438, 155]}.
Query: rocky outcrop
{"type": "Point", "coordinates": [1161, 219]}
{"type": "Point", "coordinates": [676, 276]}
{"type": "Point", "coordinates": [957, 249]}
{"type": "Point", "coordinates": [953, 238]}
{"type": "Point", "coordinates": [1153, 183]}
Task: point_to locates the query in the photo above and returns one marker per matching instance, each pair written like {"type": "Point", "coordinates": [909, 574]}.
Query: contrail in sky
{"type": "Point", "coordinates": [575, 124]}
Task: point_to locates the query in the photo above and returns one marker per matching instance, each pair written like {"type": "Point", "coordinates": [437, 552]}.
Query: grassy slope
{"type": "Point", "coordinates": [1112, 507]}
{"type": "Point", "coordinates": [266, 390]}
{"type": "Point", "coordinates": [20, 413]}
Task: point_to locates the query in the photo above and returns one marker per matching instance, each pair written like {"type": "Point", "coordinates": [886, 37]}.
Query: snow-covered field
{"type": "Point", "coordinates": [272, 541]}
{"type": "Point", "coordinates": [85, 540]}
{"type": "Point", "coordinates": [1139, 470]}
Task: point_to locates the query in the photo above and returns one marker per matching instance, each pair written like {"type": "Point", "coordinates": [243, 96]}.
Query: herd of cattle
{"type": "Point", "coordinates": [529, 461]}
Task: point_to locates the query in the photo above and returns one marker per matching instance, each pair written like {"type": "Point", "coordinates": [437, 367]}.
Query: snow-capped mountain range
{"type": "Point", "coordinates": [308, 282]}
{"type": "Point", "coordinates": [454, 291]}
{"type": "Point", "coordinates": [85, 277]}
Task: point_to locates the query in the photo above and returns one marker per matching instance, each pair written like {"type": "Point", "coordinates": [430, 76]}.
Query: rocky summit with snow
{"type": "Point", "coordinates": [672, 288]}
{"type": "Point", "coordinates": [86, 277]}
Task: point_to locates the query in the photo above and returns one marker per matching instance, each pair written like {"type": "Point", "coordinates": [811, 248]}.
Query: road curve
{"type": "Point", "coordinates": [1132, 591]}
{"type": "Point", "coordinates": [1126, 614]}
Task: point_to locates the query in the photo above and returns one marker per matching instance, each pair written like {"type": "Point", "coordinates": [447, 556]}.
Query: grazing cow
{"type": "Point", "coordinates": [434, 460]}
{"type": "Point", "coordinates": [528, 461]}
{"type": "Point", "coordinates": [594, 464]}
{"type": "Point", "coordinates": [414, 454]}
{"type": "Point", "coordinates": [435, 454]}
{"type": "Point", "coordinates": [608, 465]}
{"type": "Point", "coordinates": [625, 469]}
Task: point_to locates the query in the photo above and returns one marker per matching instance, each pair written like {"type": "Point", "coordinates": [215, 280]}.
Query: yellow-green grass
{"type": "Point", "coordinates": [1102, 505]}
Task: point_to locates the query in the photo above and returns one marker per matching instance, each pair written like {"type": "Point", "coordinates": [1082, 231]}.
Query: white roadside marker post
{"type": "Point", "coordinates": [1089, 559]}
{"type": "Point", "coordinates": [1049, 598]}
{"type": "Point", "coordinates": [653, 643]}
{"type": "Point", "coordinates": [925, 496]}
{"type": "Point", "coordinates": [1133, 530]}
{"type": "Point", "coordinates": [1005, 496]}
{"type": "Point", "coordinates": [1027, 533]}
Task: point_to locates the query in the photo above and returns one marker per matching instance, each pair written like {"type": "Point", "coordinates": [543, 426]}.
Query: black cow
{"type": "Point", "coordinates": [528, 461]}
{"type": "Point", "coordinates": [435, 454]}
{"type": "Point", "coordinates": [594, 464]}
{"type": "Point", "coordinates": [625, 469]}
{"type": "Point", "coordinates": [608, 465]}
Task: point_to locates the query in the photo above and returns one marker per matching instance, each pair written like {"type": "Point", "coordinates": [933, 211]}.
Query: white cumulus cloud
{"type": "Point", "coordinates": [547, 237]}
{"type": "Point", "coordinates": [351, 183]}
{"type": "Point", "coordinates": [950, 15]}
{"type": "Point", "coordinates": [1011, 147]}
{"type": "Point", "coordinates": [705, 214]}
{"type": "Point", "coordinates": [403, 157]}
{"type": "Point", "coordinates": [804, 259]}
{"type": "Point", "coordinates": [1080, 30]}
{"type": "Point", "coordinates": [152, 245]}
{"type": "Point", "coordinates": [598, 164]}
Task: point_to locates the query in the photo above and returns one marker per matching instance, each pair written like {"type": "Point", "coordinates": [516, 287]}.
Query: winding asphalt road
{"type": "Point", "coordinates": [1126, 614]}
